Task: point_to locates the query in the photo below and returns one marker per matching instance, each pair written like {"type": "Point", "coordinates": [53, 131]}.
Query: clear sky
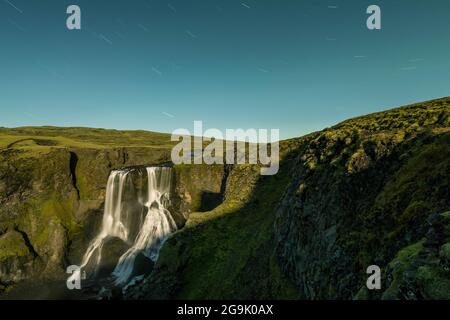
{"type": "Point", "coordinates": [159, 65]}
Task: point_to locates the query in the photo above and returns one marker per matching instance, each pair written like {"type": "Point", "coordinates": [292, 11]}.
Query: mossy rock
{"type": "Point", "coordinates": [444, 254]}
{"type": "Point", "coordinates": [434, 282]}
{"type": "Point", "coordinates": [16, 259]}
{"type": "Point", "coordinates": [12, 245]}
{"type": "Point", "coordinates": [398, 267]}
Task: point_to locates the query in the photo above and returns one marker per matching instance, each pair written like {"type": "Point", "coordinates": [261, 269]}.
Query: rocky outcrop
{"type": "Point", "coordinates": [360, 192]}
{"type": "Point", "coordinates": [51, 203]}
{"type": "Point", "coordinates": [16, 258]}
{"type": "Point", "coordinates": [421, 270]}
{"type": "Point", "coordinates": [198, 187]}
{"type": "Point", "coordinates": [38, 204]}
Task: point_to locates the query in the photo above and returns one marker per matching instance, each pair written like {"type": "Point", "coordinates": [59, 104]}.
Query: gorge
{"type": "Point", "coordinates": [370, 190]}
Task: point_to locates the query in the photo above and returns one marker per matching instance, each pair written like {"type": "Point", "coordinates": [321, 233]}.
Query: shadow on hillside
{"type": "Point", "coordinates": [230, 252]}
{"type": "Point", "coordinates": [210, 200]}
{"type": "Point", "coordinates": [245, 234]}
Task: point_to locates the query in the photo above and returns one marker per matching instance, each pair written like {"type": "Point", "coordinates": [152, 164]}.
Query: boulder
{"type": "Point", "coordinates": [112, 250]}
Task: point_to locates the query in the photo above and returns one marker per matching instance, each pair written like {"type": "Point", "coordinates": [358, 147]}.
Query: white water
{"type": "Point", "coordinates": [153, 227]}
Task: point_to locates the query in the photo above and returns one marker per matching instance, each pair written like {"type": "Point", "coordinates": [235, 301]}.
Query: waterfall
{"type": "Point", "coordinates": [145, 229]}
{"type": "Point", "coordinates": [158, 224]}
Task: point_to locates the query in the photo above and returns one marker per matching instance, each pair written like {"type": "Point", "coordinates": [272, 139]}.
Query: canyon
{"type": "Point", "coordinates": [370, 190]}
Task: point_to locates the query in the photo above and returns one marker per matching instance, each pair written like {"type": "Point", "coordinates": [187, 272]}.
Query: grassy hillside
{"type": "Point", "coordinates": [46, 137]}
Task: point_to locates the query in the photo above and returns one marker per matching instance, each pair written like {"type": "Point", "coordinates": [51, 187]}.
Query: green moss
{"type": "Point", "coordinates": [362, 294]}
{"type": "Point", "coordinates": [358, 161]}
{"type": "Point", "coordinates": [402, 262]}
{"type": "Point", "coordinates": [42, 217]}
{"type": "Point", "coordinates": [444, 252]}
{"type": "Point", "coordinates": [435, 283]}
{"type": "Point", "coordinates": [12, 245]}
{"type": "Point", "coordinates": [408, 118]}
{"type": "Point", "coordinates": [415, 210]}
{"type": "Point", "coordinates": [83, 185]}
{"type": "Point", "coordinates": [416, 189]}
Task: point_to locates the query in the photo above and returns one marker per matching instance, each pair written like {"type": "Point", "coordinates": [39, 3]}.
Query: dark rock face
{"type": "Point", "coordinates": [142, 265]}
{"type": "Point", "coordinates": [83, 237]}
{"type": "Point", "coordinates": [112, 250]}
{"type": "Point", "coordinates": [421, 270]}
{"type": "Point", "coordinates": [191, 184]}
{"type": "Point", "coordinates": [359, 194]}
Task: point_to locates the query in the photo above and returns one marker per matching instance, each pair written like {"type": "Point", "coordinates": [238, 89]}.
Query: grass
{"type": "Point", "coordinates": [81, 138]}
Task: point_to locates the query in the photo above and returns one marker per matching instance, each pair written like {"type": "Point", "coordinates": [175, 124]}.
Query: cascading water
{"type": "Point", "coordinates": [145, 229]}
{"type": "Point", "coordinates": [158, 224]}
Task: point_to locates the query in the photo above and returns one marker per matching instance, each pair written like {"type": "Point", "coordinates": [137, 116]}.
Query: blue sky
{"type": "Point", "coordinates": [159, 65]}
